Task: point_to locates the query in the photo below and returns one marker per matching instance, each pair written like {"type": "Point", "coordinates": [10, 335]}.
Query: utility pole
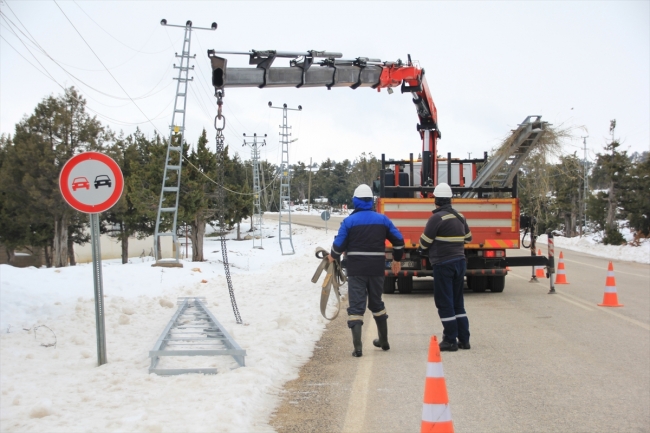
{"type": "Point", "coordinates": [257, 208]}
{"type": "Point", "coordinates": [171, 184]}
{"type": "Point", "coordinates": [585, 183]}
{"type": "Point", "coordinates": [285, 176]}
{"type": "Point", "coordinates": [309, 189]}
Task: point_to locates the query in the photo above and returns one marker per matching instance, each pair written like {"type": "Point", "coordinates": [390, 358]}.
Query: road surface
{"type": "Point", "coordinates": [538, 363]}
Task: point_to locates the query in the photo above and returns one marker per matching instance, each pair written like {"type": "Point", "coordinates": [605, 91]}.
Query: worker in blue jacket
{"type": "Point", "coordinates": [362, 237]}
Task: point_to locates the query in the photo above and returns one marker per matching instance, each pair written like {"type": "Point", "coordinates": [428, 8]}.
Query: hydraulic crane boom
{"type": "Point", "coordinates": [327, 69]}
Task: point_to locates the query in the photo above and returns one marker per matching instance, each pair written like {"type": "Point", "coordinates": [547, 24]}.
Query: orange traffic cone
{"type": "Point", "coordinates": [561, 275]}
{"type": "Point", "coordinates": [436, 416]}
{"type": "Point", "coordinates": [610, 299]}
{"type": "Point", "coordinates": [539, 270]}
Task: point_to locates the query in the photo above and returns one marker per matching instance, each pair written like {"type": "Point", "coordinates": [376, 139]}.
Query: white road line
{"type": "Point", "coordinates": [580, 303]}
{"type": "Point", "coordinates": [608, 310]}
{"type": "Point", "coordinates": [356, 414]}
{"type": "Point", "coordinates": [605, 270]}
{"type": "Point", "coordinates": [574, 303]}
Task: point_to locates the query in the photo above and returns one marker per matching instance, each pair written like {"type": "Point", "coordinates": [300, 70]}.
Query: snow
{"type": "Point", "coordinates": [61, 389]}
{"type": "Point", "coordinates": [49, 380]}
{"type": "Point", "coordinates": [590, 244]}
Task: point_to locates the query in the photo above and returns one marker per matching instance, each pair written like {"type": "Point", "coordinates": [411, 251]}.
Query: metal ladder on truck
{"type": "Point", "coordinates": [500, 171]}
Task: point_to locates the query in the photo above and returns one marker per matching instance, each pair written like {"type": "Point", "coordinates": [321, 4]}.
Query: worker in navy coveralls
{"type": "Point", "coordinates": [445, 236]}
{"type": "Point", "coordinates": [362, 236]}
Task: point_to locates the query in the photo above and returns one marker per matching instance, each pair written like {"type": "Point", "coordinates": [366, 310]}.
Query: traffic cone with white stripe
{"type": "Point", "coordinates": [436, 416]}
{"type": "Point", "coordinates": [610, 299]}
{"type": "Point", "coordinates": [561, 275]}
{"type": "Point", "coordinates": [539, 270]}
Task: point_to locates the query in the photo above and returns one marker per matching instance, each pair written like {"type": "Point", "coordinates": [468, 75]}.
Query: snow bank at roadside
{"type": "Point", "coordinates": [60, 389]}
{"type": "Point", "coordinates": [587, 244]}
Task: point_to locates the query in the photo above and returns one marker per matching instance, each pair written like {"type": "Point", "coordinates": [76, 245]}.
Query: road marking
{"type": "Point", "coordinates": [601, 268]}
{"type": "Point", "coordinates": [356, 414]}
{"type": "Point", "coordinates": [574, 303]}
{"type": "Point", "coordinates": [581, 303]}
{"type": "Point", "coordinates": [613, 313]}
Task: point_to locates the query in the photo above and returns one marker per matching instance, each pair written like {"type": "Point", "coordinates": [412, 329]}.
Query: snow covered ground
{"type": "Point", "coordinates": [589, 244]}
{"type": "Point", "coordinates": [60, 389]}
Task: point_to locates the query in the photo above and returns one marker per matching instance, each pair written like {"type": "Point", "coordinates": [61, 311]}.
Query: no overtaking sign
{"type": "Point", "coordinates": [91, 182]}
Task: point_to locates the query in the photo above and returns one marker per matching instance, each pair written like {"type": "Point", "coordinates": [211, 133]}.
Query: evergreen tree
{"type": "Point", "coordinates": [197, 200]}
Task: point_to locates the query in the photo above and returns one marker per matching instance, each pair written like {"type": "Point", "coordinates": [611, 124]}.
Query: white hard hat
{"type": "Point", "coordinates": [363, 191]}
{"type": "Point", "coordinates": [443, 191]}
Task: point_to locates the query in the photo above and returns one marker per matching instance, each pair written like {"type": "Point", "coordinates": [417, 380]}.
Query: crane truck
{"type": "Point", "coordinates": [485, 191]}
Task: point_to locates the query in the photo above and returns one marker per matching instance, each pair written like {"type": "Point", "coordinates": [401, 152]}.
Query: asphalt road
{"type": "Point", "coordinates": [538, 363]}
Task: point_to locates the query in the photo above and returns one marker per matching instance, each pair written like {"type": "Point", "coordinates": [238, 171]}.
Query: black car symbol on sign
{"type": "Point", "coordinates": [102, 179]}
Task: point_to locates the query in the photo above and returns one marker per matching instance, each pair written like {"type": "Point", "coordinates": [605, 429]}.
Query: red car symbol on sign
{"type": "Point", "coordinates": [80, 182]}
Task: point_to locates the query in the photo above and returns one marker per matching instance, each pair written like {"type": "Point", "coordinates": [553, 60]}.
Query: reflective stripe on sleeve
{"type": "Point", "coordinates": [448, 216]}
{"type": "Point", "coordinates": [398, 248]}
{"type": "Point", "coordinates": [436, 413]}
{"type": "Point", "coordinates": [426, 238]}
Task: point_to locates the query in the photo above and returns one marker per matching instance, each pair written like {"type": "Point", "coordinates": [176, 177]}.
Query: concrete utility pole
{"type": "Point", "coordinates": [257, 208]}
{"type": "Point", "coordinates": [585, 183]}
{"type": "Point", "coordinates": [309, 189]}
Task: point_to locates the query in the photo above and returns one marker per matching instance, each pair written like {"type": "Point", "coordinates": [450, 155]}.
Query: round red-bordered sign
{"type": "Point", "coordinates": [91, 182]}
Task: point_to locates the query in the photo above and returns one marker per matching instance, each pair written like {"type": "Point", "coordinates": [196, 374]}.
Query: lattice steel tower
{"type": "Point", "coordinates": [285, 178]}
{"type": "Point", "coordinates": [257, 208]}
{"type": "Point", "coordinates": [171, 184]}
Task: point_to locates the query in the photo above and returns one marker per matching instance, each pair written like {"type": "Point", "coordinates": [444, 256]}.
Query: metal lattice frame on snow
{"type": "Point", "coordinates": [200, 335]}
{"type": "Point", "coordinates": [257, 207]}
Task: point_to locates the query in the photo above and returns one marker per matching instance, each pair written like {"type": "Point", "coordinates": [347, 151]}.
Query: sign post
{"type": "Point", "coordinates": [92, 182]}
{"type": "Point", "coordinates": [325, 216]}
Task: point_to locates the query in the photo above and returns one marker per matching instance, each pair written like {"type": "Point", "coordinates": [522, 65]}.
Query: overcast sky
{"type": "Point", "coordinates": [488, 65]}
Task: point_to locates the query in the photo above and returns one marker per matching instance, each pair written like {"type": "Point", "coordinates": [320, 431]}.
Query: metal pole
{"type": "Point", "coordinates": [99, 290]}
{"type": "Point", "coordinates": [309, 189]}
{"type": "Point", "coordinates": [551, 262]}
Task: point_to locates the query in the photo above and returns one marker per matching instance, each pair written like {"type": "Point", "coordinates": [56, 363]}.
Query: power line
{"type": "Point", "coordinates": [127, 46]}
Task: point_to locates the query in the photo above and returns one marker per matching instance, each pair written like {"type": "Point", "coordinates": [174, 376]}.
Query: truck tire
{"type": "Point", "coordinates": [477, 283]}
{"type": "Point", "coordinates": [389, 285]}
{"type": "Point", "coordinates": [405, 284]}
{"type": "Point", "coordinates": [497, 284]}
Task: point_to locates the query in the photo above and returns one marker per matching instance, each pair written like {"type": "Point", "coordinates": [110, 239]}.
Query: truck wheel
{"type": "Point", "coordinates": [477, 284]}
{"type": "Point", "coordinates": [497, 284]}
{"type": "Point", "coordinates": [389, 285]}
{"type": "Point", "coordinates": [405, 284]}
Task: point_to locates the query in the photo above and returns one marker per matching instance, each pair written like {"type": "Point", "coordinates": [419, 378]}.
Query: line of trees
{"type": "Point", "coordinates": [34, 215]}
{"type": "Point", "coordinates": [618, 189]}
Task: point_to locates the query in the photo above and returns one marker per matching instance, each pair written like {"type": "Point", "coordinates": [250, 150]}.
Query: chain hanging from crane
{"type": "Point", "coordinates": [221, 199]}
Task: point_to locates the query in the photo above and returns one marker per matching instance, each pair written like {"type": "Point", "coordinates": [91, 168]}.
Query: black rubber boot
{"type": "Point", "coordinates": [446, 346]}
{"type": "Point", "coordinates": [356, 339]}
{"type": "Point", "coordinates": [382, 331]}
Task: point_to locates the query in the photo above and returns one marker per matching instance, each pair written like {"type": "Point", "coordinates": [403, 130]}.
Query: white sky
{"type": "Point", "coordinates": [488, 64]}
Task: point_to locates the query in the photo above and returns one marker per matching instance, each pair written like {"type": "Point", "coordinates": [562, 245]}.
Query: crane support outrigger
{"type": "Point", "coordinates": [406, 196]}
